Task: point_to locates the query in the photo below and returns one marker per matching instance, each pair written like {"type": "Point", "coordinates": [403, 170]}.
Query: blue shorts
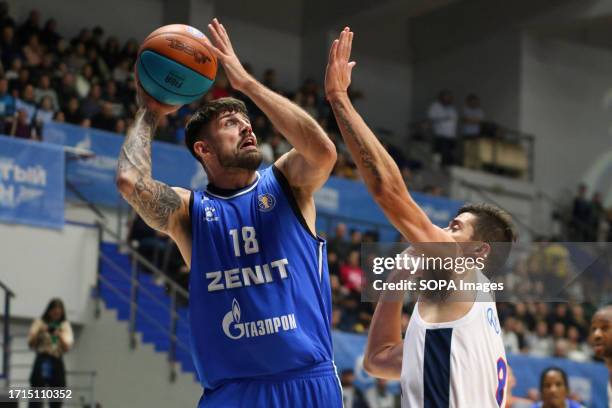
{"type": "Point", "coordinates": [316, 386]}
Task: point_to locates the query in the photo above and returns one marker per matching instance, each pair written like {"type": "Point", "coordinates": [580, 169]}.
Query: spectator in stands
{"type": "Point", "coordinates": [67, 88]}
{"type": "Point", "coordinates": [561, 348]}
{"type": "Point", "coordinates": [351, 273]}
{"type": "Point", "coordinates": [338, 243]}
{"type": "Point", "coordinates": [72, 113]}
{"type": "Point", "coordinates": [44, 90]}
{"type": "Point", "coordinates": [77, 58]}
{"type": "Point", "coordinates": [85, 80]}
{"type": "Point", "coordinates": [33, 51]}
{"type": "Point", "coordinates": [443, 117]}
{"type": "Point", "coordinates": [51, 337]}
{"type": "Point", "coordinates": [577, 351]}
{"type": "Point", "coordinates": [540, 343]}
{"type": "Point", "coordinates": [555, 391]}
{"type": "Point", "coordinates": [27, 101]}
{"type": "Point", "coordinates": [5, 19]}
{"type": "Point", "coordinates": [18, 84]}
{"type": "Point", "coordinates": [352, 397]}
{"type": "Point", "coordinates": [510, 338]}
{"type": "Point", "coordinates": [581, 216]}
{"type": "Point", "coordinates": [12, 72]}
{"type": "Point", "coordinates": [10, 47]}
{"type": "Point", "coordinates": [579, 321]}
{"type": "Point", "coordinates": [49, 36]}
{"type": "Point", "coordinates": [379, 395]}
{"type": "Point", "coordinates": [44, 114]}
{"type": "Point", "coordinates": [92, 104]}
{"type": "Point", "coordinates": [21, 126]}
{"type": "Point", "coordinates": [112, 53]}
{"type": "Point", "coordinates": [105, 119]}
{"type": "Point", "coordinates": [472, 116]}
{"type": "Point", "coordinates": [356, 238]}
{"type": "Point", "coordinates": [30, 26]}
{"type": "Point", "coordinates": [7, 105]}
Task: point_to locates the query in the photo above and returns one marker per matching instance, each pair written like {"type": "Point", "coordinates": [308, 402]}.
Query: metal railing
{"type": "Point", "coordinates": [6, 333]}
{"type": "Point", "coordinates": [136, 290]}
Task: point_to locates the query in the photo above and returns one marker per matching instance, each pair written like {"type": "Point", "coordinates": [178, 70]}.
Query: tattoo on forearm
{"type": "Point", "coordinates": [154, 201]}
{"type": "Point", "coordinates": [365, 156]}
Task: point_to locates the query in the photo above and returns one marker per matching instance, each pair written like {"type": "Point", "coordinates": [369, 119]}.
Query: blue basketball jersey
{"type": "Point", "coordinates": [260, 300]}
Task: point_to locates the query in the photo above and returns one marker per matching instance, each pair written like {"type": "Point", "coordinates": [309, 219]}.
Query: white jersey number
{"type": "Point", "coordinates": [250, 244]}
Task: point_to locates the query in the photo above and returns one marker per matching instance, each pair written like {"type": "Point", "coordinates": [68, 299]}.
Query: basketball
{"type": "Point", "coordinates": [175, 66]}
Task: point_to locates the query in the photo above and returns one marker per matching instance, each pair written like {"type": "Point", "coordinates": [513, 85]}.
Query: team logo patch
{"type": "Point", "coordinates": [492, 319]}
{"type": "Point", "coordinates": [266, 202]}
{"type": "Point", "coordinates": [211, 214]}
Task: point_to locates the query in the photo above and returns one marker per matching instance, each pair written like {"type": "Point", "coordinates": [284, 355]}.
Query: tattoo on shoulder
{"type": "Point", "coordinates": [365, 155]}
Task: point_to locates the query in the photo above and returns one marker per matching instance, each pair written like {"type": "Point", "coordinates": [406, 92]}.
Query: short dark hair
{"type": "Point", "coordinates": [493, 225]}
{"type": "Point", "coordinates": [205, 115]}
{"type": "Point", "coordinates": [552, 369]}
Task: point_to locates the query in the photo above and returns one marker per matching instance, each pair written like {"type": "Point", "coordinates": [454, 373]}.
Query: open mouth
{"type": "Point", "coordinates": [248, 143]}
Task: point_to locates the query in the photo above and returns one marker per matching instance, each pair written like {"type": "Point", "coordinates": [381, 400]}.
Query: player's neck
{"type": "Point", "coordinates": [232, 180]}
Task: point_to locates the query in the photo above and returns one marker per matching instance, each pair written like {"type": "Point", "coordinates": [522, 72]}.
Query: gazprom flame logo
{"type": "Point", "coordinates": [231, 322]}
{"type": "Point", "coordinates": [235, 329]}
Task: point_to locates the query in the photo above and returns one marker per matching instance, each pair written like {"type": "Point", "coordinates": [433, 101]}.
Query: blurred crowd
{"type": "Point", "coordinates": [587, 219]}
{"type": "Point", "coordinates": [88, 81]}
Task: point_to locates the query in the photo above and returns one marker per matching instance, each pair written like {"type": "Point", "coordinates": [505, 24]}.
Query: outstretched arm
{"type": "Point", "coordinates": [378, 169]}
{"type": "Point", "coordinates": [162, 207]}
{"type": "Point", "coordinates": [383, 356]}
{"type": "Point", "coordinates": [309, 164]}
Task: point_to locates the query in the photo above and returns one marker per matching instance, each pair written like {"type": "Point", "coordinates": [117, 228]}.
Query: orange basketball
{"type": "Point", "coordinates": [175, 65]}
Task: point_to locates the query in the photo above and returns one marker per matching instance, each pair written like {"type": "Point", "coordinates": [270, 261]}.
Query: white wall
{"type": "Point", "coordinates": [386, 86]}
{"type": "Point", "coordinates": [124, 19]}
{"type": "Point", "coordinates": [564, 89]}
{"type": "Point", "coordinates": [267, 48]}
{"type": "Point", "coordinates": [488, 67]}
{"type": "Point", "coordinates": [39, 264]}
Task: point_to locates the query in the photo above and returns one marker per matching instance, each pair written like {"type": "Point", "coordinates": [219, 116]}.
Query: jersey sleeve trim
{"type": "Point", "coordinates": [284, 183]}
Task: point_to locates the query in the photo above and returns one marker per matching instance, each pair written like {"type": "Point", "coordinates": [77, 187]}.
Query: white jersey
{"type": "Point", "coordinates": [458, 364]}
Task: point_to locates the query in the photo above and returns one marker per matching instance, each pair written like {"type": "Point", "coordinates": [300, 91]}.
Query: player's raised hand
{"type": "Point", "coordinates": [339, 68]}
{"type": "Point", "coordinates": [222, 47]}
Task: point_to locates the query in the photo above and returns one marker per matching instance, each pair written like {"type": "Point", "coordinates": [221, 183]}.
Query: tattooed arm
{"type": "Point", "coordinates": [378, 169]}
{"type": "Point", "coordinates": [162, 207]}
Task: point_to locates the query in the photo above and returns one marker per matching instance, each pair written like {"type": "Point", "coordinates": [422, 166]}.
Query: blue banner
{"type": "Point", "coordinates": [95, 177]}
{"type": "Point", "coordinates": [31, 183]}
{"type": "Point", "coordinates": [588, 380]}
{"type": "Point", "coordinates": [342, 198]}
{"type": "Point", "coordinates": [339, 198]}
